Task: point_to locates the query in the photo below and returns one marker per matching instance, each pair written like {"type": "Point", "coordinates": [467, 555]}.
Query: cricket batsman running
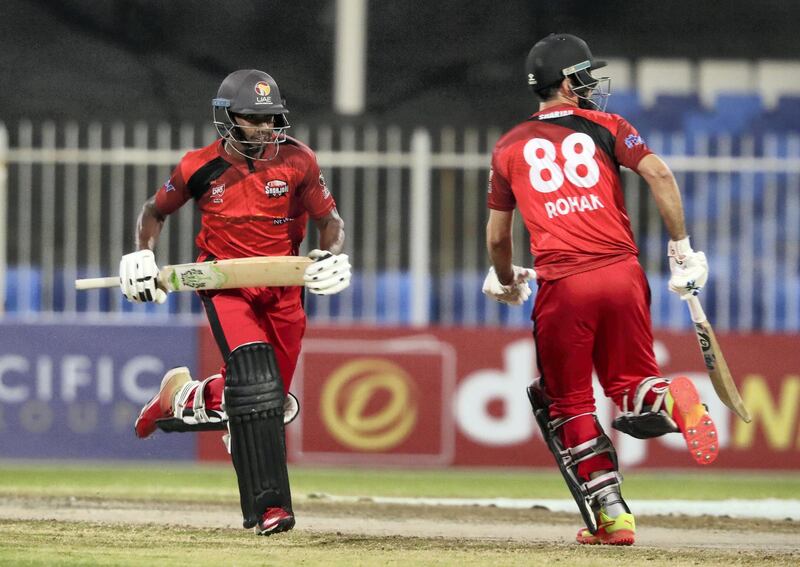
{"type": "Point", "coordinates": [560, 168]}
{"type": "Point", "coordinates": [255, 188]}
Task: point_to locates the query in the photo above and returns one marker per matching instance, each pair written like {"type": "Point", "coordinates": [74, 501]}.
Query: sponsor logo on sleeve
{"type": "Point", "coordinates": [633, 140]}
{"type": "Point", "coordinates": [168, 186]}
{"type": "Point", "coordinates": [325, 192]}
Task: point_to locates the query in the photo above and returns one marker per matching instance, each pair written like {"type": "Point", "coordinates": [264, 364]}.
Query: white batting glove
{"type": "Point", "coordinates": [138, 278]}
{"type": "Point", "coordinates": [515, 293]}
{"type": "Point", "coordinates": [329, 274]}
{"type": "Point", "coordinates": [689, 268]}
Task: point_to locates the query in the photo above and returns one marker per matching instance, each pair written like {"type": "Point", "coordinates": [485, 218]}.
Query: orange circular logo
{"type": "Point", "coordinates": [369, 404]}
{"type": "Point", "coordinates": [262, 88]}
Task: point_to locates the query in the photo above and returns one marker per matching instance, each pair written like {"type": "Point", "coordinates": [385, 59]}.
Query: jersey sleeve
{"type": "Point", "coordinates": [314, 193]}
{"type": "Point", "coordinates": [630, 147]}
{"type": "Point", "coordinates": [173, 194]}
{"type": "Point", "coordinates": [500, 197]}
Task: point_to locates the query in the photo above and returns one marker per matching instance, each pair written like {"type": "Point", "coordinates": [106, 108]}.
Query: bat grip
{"type": "Point", "coordinates": [696, 310]}
{"type": "Point", "coordinates": [97, 283]}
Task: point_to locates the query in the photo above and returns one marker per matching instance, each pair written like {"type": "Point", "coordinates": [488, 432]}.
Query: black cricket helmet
{"type": "Point", "coordinates": [560, 56]}
{"type": "Point", "coordinates": [250, 93]}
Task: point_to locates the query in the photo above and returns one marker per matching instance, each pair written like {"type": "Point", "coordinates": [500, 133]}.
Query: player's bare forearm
{"type": "Point", "coordinates": [149, 225]}
{"type": "Point", "coordinates": [331, 232]}
{"type": "Point", "coordinates": [500, 245]}
{"type": "Point", "coordinates": [666, 194]}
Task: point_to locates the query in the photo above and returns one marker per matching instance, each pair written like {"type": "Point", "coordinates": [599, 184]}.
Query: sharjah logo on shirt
{"type": "Point", "coordinates": [633, 140]}
{"type": "Point", "coordinates": [276, 188]}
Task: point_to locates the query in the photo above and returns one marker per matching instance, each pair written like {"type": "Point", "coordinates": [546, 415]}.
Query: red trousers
{"type": "Point", "coordinates": [272, 315]}
{"type": "Point", "coordinates": [597, 319]}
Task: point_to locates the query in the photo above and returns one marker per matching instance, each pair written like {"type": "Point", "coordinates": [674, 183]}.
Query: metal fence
{"type": "Point", "coordinates": [414, 206]}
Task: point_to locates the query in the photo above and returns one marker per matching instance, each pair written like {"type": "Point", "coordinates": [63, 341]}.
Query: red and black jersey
{"type": "Point", "coordinates": [561, 168]}
{"type": "Point", "coordinates": [248, 207]}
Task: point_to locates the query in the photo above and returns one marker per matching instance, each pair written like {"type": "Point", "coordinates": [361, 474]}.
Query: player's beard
{"type": "Point", "coordinates": [255, 144]}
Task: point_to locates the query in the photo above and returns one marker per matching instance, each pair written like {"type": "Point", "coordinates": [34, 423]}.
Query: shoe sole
{"type": "Point", "coordinates": [170, 384]}
{"type": "Point", "coordinates": [283, 525]}
{"type": "Point", "coordinates": [621, 537]}
{"type": "Point", "coordinates": [146, 432]}
{"type": "Point", "coordinates": [694, 422]}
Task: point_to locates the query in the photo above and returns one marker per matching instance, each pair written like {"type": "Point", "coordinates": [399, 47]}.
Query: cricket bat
{"type": "Point", "coordinates": [261, 271]}
{"type": "Point", "coordinates": [715, 362]}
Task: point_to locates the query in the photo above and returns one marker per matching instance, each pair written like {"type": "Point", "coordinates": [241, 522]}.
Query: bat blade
{"type": "Point", "coordinates": [718, 370]}
{"type": "Point", "coordinates": [262, 271]}
{"type": "Point", "coordinates": [270, 271]}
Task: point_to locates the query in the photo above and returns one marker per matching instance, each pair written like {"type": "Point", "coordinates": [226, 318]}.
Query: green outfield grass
{"type": "Point", "coordinates": [80, 544]}
{"type": "Point", "coordinates": [217, 483]}
{"type": "Point", "coordinates": [119, 542]}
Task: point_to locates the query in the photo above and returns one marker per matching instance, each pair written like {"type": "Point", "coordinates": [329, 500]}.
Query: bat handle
{"type": "Point", "coordinates": [696, 310]}
{"type": "Point", "coordinates": [97, 283]}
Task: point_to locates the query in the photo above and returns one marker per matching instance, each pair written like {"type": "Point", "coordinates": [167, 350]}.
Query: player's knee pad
{"type": "Point", "coordinates": [646, 421]}
{"type": "Point", "coordinates": [590, 495]}
{"type": "Point", "coordinates": [254, 401]}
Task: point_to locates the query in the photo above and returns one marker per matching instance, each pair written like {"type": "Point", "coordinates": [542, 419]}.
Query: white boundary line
{"type": "Point", "coordinates": [768, 508]}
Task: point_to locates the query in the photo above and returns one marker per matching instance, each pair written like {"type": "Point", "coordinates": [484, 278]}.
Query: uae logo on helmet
{"type": "Point", "coordinates": [262, 88]}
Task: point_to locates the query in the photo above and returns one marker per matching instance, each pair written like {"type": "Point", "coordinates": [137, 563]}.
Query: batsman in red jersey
{"type": "Point", "coordinates": [255, 188]}
{"type": "Point", "coordinates": [560, 169]}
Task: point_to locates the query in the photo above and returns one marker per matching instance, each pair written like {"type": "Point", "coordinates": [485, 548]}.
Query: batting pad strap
{"type": "Point", "coordinates": [181, 397]}
{"type": "Point", "coordinates": [645, 386]}
{"type": "Point", "coordinates": [645, 422]}
{"type": "Point", "coordinates": [591, 448]}
{"type": "Point", "coordinates": [601, 482]}
{"type": "Point", "coordinates": [199, 403]}
{"type": "Point", "coordinates": [604, 491]}
{"type": "Point", "coordinates": [243, 400]}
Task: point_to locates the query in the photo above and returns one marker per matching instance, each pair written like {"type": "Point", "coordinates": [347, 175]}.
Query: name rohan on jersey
{"type": "Point", "coordinates": [561, 168]}
{"type": "Point", "coordinates": [249, 208]}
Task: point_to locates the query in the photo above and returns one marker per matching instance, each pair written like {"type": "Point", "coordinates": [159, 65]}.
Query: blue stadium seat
{"type": "Point", "coordinates": [732, 114]}
{"type": "Point", "coordinates": [626, 104]}
{"type": "Point", "coordinates": [785, 118]}
{"type": "Point", "coordinates": [393, 298]}
{"type": "Point", "coordinates": [17, 280]}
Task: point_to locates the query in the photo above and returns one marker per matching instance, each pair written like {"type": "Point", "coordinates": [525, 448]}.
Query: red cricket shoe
{"type": "Point", "coordinates": [161, 405]}
{"type": "Point", "coordinates": [275, 521]}
{"type": "Point", "coordinates": [691, 416]}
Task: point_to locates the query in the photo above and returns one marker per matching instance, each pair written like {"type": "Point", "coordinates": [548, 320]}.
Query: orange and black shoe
{"type": "Point", "coordinates": [274, 521]}
{"type": "Point", "coordinates": [610, 531]}
{"type": "Point", "coordinates": [682, 402]}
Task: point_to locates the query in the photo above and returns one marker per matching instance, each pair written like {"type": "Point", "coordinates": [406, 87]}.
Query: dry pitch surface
{"type": "Point", "coordinates": [366, 533]}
